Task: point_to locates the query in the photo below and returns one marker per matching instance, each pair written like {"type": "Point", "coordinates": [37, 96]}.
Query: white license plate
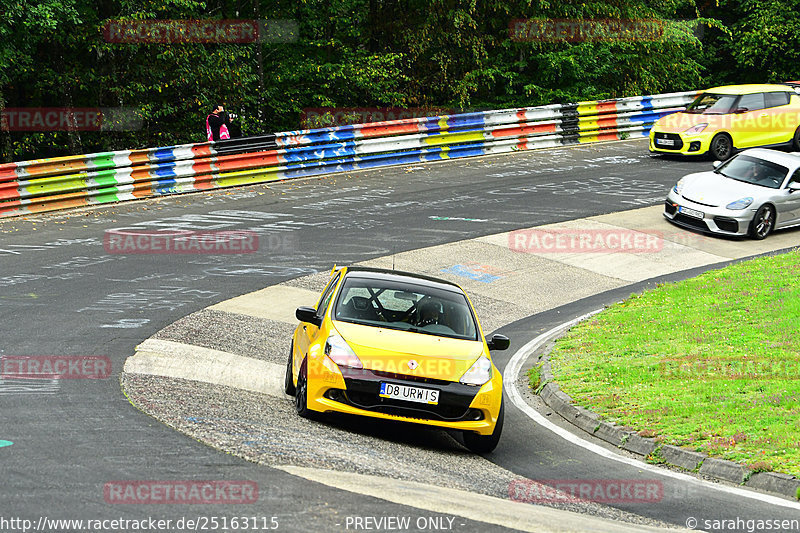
{"type": "Point", "coordinates": [690, 212]}
{"type": "Point", "coordinates": [665, 142]}
{"type": "Point", "coordinates": [409, 394]}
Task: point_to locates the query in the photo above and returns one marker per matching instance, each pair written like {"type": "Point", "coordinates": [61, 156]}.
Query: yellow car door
{"type": "Point", "coordinates": [749, 122]}
{"type": "Point", "coordinates": [782, 118]}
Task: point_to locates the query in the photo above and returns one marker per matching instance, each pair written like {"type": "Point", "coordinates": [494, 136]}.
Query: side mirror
{"type": "Point", "coordinates": [498, 342]}
{"type": "Point", "coordinates": [717, 164]}
{"type": "Point", "coordinates": [308, 314]}
{"type": "Point", "coordinates": [793, 186]}
{"type": "Point", "coordinates": [740, 110]}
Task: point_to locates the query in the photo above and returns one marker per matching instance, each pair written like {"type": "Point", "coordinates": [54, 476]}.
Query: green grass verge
{"type": "Point", "coordinates": [711, 363]}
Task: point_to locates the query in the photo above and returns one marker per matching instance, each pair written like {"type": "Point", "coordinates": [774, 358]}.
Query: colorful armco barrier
{"type": "Point", "coordinates": [64, 182]}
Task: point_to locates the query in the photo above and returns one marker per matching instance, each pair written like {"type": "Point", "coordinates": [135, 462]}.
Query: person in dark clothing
{"type": "Point", "coordinates": [217, 124]}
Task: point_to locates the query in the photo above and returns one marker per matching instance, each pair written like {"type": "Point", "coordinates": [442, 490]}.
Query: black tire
{"type": "Point", "coordinates": [796, 141]}
{"type": "Point", "coordinates": [301, 393]}
{"type": "Point", "coordinates": [763, 223]}
{"type": "Point", "coordinates": [721, 147]}
{"type": "Point", "coordinates": [288, 380]}
{"type": "Point", "coordinates": [486, 443]}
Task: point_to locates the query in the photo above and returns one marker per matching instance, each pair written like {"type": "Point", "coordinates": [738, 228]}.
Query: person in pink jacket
{"type": "Point", "coordinates": [217, 124]}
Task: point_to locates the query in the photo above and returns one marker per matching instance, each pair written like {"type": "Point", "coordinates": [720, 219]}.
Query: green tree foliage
{"type": "Point", "coordinates": [455, 54]}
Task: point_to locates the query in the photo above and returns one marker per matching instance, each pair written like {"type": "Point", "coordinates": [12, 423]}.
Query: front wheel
{"type": "Point", "coordinates": [485, 443]}
{"type": "Point", "coordinates": [721, 146]}
{"type": "Point", "coordinates": [288, 380]}
{"type": "Point", "coordinates": [796, 141]}
{"type": "Point", "coordinates": [301, 392]}
{"type": "Point", "coordinates": [762, 223]}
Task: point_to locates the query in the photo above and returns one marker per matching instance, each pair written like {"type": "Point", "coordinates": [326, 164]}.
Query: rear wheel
{"type": "Point", "coordinates": [762, 223]}
{"type": "Point", "coordinates": [485, 443]}
{"type": "Point", "coordinates": [721, 146]}
{"type": "Point", "coordinates": [288, 380]}
{"type": "Point", "coordinates": [796, 143]}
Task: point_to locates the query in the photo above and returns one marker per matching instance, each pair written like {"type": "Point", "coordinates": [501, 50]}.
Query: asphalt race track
{"type": "Point", "coordinates": [62, 293]}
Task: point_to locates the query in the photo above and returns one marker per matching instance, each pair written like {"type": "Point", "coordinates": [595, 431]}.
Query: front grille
{"type": "Point", "coordinates": [678, 142]}
{"type": "Point", "coordinates": [727, 224]}
{"type": "Point", "coordinates": [417, 379]}
{"type": "Point", "coordinates": [691, 221]}
{"type": "Point", "coordinates": [669, 208]}
{"type": "Point", "coordinates": [371, 402]}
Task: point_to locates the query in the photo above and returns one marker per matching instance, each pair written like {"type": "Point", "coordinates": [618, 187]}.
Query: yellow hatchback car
{"type": "Point", "coordinates": [723, 120]}
{"type": "Point", "coordinates": [399, 346]}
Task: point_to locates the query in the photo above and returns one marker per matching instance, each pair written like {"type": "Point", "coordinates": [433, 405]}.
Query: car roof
{"type": "Point", "coordinates": [791, 160]}
{"type": "Point", "coordinates": [750, 88]}
{"type": "Point", "coordinates": [399, 275]}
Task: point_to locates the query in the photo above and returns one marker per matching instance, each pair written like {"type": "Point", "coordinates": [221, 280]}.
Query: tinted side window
{"type": "Point", "coordinates": [776, 99]}
{"type": "Point", "coordinates": [326, 297]}
{"type": "Point", "coordinates": [795, 177]}
{"type": "Point", "coordinates": [751, 101]}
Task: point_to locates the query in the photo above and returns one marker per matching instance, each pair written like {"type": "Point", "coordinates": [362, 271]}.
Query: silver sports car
{"type": "Point", "coordinates": [752, 193]}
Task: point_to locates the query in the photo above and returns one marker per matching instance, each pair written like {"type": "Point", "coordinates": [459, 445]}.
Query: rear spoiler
{"type": "Point", "coordinates": [794, 85]}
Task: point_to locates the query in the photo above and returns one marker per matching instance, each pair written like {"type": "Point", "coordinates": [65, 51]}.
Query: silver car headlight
{"type": "Point", "coordinates": [738, 205]}
{"type": "Point", "coordinates": [479, 373]}
{"type": "Point", "coordinates": [678, 186]}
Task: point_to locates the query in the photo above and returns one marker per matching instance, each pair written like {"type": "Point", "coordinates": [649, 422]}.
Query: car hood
{"type": "Point", "coordinates": [714, 189]}
{"type": "Point", "coordinates": [389, 350]}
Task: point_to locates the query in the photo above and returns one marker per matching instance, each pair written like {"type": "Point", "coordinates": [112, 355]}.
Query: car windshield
{"type": "Point", "coordinates": [753, 170]}
{"type": "Point", "coordinates": [712, 104]}
{"type": "Point", "coordinates": [406, 306]}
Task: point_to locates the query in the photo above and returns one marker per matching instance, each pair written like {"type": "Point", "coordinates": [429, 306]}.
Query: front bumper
{"type": "Point", "coordinates": [356, 392]}
{"type": "Point", "coordinates": [681, 143]}
{"type": "Point", "coordinates": [714, 219]}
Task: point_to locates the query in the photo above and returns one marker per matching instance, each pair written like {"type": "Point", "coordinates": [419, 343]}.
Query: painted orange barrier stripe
{"type": "Point", "coordinates": [606, 107]}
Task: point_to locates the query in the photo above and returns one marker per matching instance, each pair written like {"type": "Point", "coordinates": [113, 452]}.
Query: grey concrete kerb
{"type": "Point", "coordinates": [651, 449]}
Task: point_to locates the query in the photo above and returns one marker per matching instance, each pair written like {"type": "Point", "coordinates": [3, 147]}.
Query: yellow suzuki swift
{"type": "Point", "coordinates": [726, 119]}
{"type": "Point", "coordinates": [399, 346]}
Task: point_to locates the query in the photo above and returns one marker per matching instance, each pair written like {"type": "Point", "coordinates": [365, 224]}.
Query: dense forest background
{"type": "Point", "coordinates": [452, 54]}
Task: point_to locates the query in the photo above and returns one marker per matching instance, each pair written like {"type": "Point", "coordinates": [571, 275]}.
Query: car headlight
{"type": "Point", "coordinates": [697, 128]}
{"type": "Point", "coordinates": [739, 204]}
{"type": "Point", "coordinates": [340, 352]}
{"type": "Point", "coordinates": [479, 373]}
{"type": "Point", "coordinates": [678, 186]}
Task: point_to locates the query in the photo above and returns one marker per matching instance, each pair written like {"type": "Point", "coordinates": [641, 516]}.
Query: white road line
{"type": "Point", "coordinates": [509, 382]}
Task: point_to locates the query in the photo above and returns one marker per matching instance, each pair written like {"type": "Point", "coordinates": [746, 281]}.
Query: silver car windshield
{"type": "Point", "coordinates": [754, 171]}
{"type": "Point", "coordinates": [712, 104]}
{"type": "Point", "coordinates": [405, 306]}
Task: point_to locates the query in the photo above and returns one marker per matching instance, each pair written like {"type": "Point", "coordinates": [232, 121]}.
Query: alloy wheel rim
{"type": "Point", "coordinates": [764, 223]}
{"type": "Point", "coordinates": [722, 147]}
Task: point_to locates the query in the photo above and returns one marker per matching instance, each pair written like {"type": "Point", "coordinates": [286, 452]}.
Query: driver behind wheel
{"type": "Point", "coordinates": [430, 312]}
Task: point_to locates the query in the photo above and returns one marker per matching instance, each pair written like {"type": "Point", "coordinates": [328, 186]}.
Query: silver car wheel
{"type": "Point", "coordinates": [762, 223]}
